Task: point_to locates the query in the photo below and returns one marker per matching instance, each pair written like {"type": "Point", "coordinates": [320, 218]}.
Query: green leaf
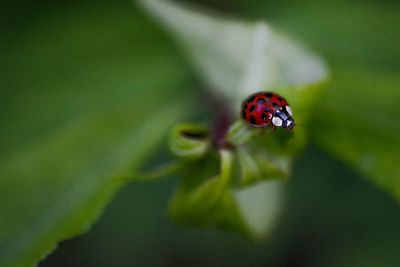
{"type": "Point", "coordinates": [84, 103]}
{"type": "Point", "coordinates": [357, 118]}
{"type": "Point", "coordinates": [239, 133]}
{"type": "Point", "coordinates": [358, 122]}
{"type": "Point", "coordinates": [190, 141]}
{"type": "Point", "coordinates": [237, 58]}
{"type": "Point", "coordinates": [207, 200]}
{"type": "Point", "coordinates": [62, 184]}
{"type": "Point", "coordinates": [257, 165]}
{"type": "Point", "coordinates": [203, 198]}
{"type": "Point", "coordinates": [260, 206]}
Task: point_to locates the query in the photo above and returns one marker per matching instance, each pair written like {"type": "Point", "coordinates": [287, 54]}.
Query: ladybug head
{"type": "Point", "coordinates": [283, 118]}
{"type": "Point", "coordinates": [288, 123]}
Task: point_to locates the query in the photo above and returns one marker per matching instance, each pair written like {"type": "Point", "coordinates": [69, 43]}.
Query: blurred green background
{"type": "Point", "coordinates": [332, 218]}
{"type": "Point", "coordinates": [65, 62]}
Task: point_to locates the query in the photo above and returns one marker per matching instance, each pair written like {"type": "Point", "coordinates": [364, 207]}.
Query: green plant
{"type": "Point", "coordinates": [71, 145]}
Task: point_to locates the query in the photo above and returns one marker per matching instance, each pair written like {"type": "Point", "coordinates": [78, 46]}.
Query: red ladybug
{"type": "Point", "coordinates": [267, 109]}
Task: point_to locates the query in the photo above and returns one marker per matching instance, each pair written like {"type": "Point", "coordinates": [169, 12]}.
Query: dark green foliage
{"type": "Point", "coordinates": [89, 91]}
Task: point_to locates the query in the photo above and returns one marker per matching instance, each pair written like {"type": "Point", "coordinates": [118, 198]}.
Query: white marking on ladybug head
{"type": "Point", "coordinates": [289, 110]}
{"type": "Point", "coordinates": [289, 124]}
{"type": "Point", "coordinates": [277, 121]}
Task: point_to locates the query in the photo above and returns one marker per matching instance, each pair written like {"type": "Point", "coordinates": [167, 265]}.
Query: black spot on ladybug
{"type": "Point", "coordinates": [261, 101]}
{"type": "Point", "coordinates": [264, 116]}
{"type": "Point", "coordinates": [275, 104]}
{"type": "Point", "coordinates": [244, 114]}
{"type": "Point", "coordinates": [245, 106]}
{"type": "Point", "coordinates": [252, 120]}
{"type": "Point", "coordinates": [250, 99]}
{"type": "Point", "coordinates": [252, 108]}
{"type": "Point", "coordinates": [266, 109]}
{"type": "Point", "coordinates": [269, 95]}
{"type": "Point", "coordinates": [280, 98]}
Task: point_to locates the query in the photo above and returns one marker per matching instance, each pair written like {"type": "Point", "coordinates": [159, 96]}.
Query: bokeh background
{"type": "Point", "coordinates": [332, 218]}
{"type": "Point", "coordinates": [58, 55]}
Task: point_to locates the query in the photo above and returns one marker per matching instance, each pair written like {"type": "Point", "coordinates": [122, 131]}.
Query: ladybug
{"type": "Point", "coordinates": [267, 109]}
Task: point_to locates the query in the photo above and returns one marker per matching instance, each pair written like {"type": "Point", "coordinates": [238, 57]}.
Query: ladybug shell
{"type": "Point", "coordinates": [259, 108]}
